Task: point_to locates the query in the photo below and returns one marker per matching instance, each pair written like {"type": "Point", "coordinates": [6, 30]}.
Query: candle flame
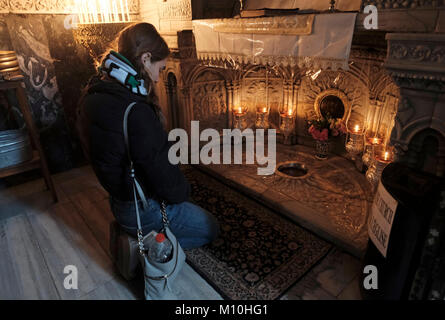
{"type": "Point", "coordinates": [239, 111]}
{"type": "Point", "coordinates": [261, 109]}
{"type": "Point", "coordinates": [290, 112]}
{"type": "Point", "coordinates": [102, 11]}
{"type": "Point", "coordinates": [386, 157]}
{"type": "Point", "coordinates": [357, 128]}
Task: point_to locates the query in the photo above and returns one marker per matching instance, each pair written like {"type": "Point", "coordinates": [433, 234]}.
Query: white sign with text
{"type": "Point", "coordinates": [382, 217]}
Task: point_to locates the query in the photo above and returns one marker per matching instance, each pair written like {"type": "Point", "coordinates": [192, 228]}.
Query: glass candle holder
{"type": "Point", "coordinates": [287, 123]}
{"type": "Point", "coordinates": [354, 140]}
{"type": "Point", "coordinates": [239, 118]}
{"type": "Point", "coordinates": [372, 141]}
{"type": "Point", "coordinates": [382, 157]}
{"type": "Point", "coordinates": [262, 117]}
{"type": "Point", "coordinates": [368, 154]}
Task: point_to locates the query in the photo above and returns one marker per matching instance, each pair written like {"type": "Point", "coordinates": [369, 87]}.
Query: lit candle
{"type": "Point", "coordinates": [357, 128]}
{"type": "Point", "coordinates": [262, 109]}
{"type": "Point", "coordinates": [384, 156]}
{"type": "Point", "coordinates": [290, 112]}
{"type": "Point", "coordinates": [238, 111]}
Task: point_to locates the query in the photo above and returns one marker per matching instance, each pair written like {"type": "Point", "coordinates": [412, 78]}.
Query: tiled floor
{"type": "Point", "coordinates": [335, 277]}
{"type": "Point", "coordinates": [38, 238]}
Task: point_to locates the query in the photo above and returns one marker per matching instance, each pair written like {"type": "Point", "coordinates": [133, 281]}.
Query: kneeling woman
{"type": "Point", "coordinates": [124, 77]}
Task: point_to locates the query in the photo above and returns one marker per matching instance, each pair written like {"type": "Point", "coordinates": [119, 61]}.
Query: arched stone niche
{"type": "Point", "coordinates": [426, 152]}
{"type": "Point", "coordinates": [332, 103]}
{"type": "Point", "coordinates": [209, 99]}
{"type": "Point", "coordinates": [253, 91]}
{"type": "Point", "coordinates": [337, 86]}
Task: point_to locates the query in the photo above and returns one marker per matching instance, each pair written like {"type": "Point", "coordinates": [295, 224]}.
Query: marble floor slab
{"type": "Point", "coordinates": [332, 199]}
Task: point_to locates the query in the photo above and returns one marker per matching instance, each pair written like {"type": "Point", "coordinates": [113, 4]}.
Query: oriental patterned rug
{"type": "Point", "coordinates": [258, 254]}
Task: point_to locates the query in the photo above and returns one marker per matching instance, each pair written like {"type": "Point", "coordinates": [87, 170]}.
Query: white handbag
{"type": "Point", "coordinates": [157, 276]}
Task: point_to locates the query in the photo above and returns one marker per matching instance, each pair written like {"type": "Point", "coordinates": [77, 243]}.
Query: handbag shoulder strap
{"type": "Point", "coordinates": [127, 147]}
{"type": "Point", "coordinates": [137, 190]}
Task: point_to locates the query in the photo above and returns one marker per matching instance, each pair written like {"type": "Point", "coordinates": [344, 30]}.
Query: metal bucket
{"type": "Point", "coordinates": [15, 148]}
{"type": "Point", "coordinates": [9, 66]}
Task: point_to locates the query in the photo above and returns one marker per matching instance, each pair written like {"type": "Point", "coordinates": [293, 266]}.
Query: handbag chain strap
{"type": "Point", "coordinates": [137, 189]}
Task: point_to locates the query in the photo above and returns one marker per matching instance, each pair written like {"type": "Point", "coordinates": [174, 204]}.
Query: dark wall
{"type": "Point", "coordinates": [55, 68]}
{"type": "Point", "coordinates": [210, 9]}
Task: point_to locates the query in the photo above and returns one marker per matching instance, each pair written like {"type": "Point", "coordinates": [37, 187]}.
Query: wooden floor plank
{"type": "Point", "coordinates": [78, 184]}
{"type": "Point", "coordinates": [72, 174]}
{"type": "Point", "coordinates": [116, 289]}
{"type": "Point", "coordinates": [23, 270]}
{"type": "Point", "coordinates": [66, 240]}
{"type": "Point", "coordinates": [40, 200]}
{"type": "Point", "coordinates": [189, 285]}
{"type": "Point", "coordinates": [96, 213]}
{"type": "Point", "coordinates": [22, 190]}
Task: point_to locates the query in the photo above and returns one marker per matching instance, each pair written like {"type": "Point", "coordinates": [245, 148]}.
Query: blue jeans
{"type": "Point", "coordinates": [192, 225]}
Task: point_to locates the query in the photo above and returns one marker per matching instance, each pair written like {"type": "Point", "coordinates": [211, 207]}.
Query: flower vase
{"type": "Point", "coordinates": [321, 149]}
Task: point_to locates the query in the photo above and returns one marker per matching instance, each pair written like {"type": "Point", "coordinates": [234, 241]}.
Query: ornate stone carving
{"type": "Point", "coordinates": [95, 37]}
{"type": "Point", "coordinates": [418, 53]}
{"type": "Point", "coordinates": [254, 91]}
{"type": "Point", "coordinates": [21, 5]}
{"type": "Point", "coordinates": [49, 6]}
{"type": "Point", "coordinates": [353, 92]}
{"type": "Point", "coordinates": [332, 92]}
{"type": "Point", "coordinates": [176, 9]}
{"type": "Point", "coordinates": [4, 5]}
{"type": "Point", "coordinates": [134, 6]}
{"type": "Point", "coordinates": [417, 60]}
{"type": "Point", "coordinates": [405, 113]}
{"type": "Point", "coordinates": [361, 53]}
{"type": "Point", "coordinates": [333, 189]}
{"type": "Point", "coordinates": [209, 100]}
{"type": "Point", "coordinates": [220, 59]}
{"type": "Point", "coordinates": [299, 25]}
{"type": "Point", "coordinates": [404, 4]}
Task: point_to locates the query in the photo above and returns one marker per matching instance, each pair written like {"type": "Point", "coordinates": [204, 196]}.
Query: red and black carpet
{"type": "Point", "coordinates": [258, 254]}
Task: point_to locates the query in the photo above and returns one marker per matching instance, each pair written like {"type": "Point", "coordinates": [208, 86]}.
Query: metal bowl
{"type": "Point", "coordinates": [15, 148]}
{"type": "Point", "coordinates": [293, 170]}
{"type": "Point", "coordinates": [9, 66]}
{"type": "Point", "coordinates": [7, 55]}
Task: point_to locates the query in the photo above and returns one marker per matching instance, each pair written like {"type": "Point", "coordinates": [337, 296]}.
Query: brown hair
{"type": "Point", "coordinates": [135, 40]}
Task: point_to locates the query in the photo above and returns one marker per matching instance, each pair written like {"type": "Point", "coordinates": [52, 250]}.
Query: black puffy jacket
{"type": "Point", "coordinates": [102, 112]}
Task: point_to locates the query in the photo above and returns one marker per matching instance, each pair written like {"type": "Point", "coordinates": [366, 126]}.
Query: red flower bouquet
{"type": "Point", "coordinates": [323, 128]}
